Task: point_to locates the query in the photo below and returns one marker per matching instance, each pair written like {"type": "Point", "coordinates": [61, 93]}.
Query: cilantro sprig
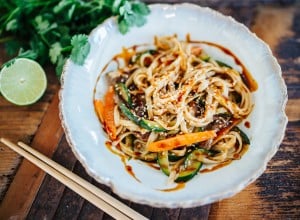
{"type": "Point", "coordinates": [50, 31]}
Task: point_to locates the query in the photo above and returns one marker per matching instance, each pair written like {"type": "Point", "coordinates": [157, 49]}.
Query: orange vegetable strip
{"type": "Point", "coordinates": [108, 113]}
{"type": "Point", "coordinates": [196, 50]}
{"type": "Point", "coordinates": [99, 107]}
{"type": "Point", "coordinates": [180, 140]}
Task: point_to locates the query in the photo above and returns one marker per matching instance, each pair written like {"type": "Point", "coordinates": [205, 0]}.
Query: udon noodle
{"type": "Point", "coordinates": [176, 106]}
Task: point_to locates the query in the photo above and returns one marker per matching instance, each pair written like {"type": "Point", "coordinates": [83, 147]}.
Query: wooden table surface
{"type": "Point", "coordinates": [26, 192]}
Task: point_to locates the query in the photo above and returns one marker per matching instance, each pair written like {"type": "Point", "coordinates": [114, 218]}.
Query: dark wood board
{"type": "Point", "coordinates": [274, 195]}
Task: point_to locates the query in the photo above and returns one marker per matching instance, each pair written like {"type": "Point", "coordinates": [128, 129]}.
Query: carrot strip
{"type": "Point", "coordinates": [99, 107]}
{"type": "Point", "coordinates": [180, 140]}
{"type": "Point", "coordinates": [196, 50]}
{"type": "Point", "coordinates": [108, 113]}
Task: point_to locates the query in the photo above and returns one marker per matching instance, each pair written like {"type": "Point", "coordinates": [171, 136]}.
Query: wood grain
{"type": "Point", "coordinates": [275, 195]}
{"type": "Point", "coordinates": [51, 191]}
{"type": "Point", "coordinates": [292, 110]}
{"type": "Point", "coordinates": [28, 179]}
{"type": "Point", "coordinates": [55, 201]}
{"type": "Point", "coordinates": [71, 203]}
{"type": "Point", "coordinates": [198, 213]}
{"type": "Point", "coordinates": [278, 19]}
{"type": "Point", "coordinates": [20, 123]}
{"type": "Point", "coordinates": [89, 211]}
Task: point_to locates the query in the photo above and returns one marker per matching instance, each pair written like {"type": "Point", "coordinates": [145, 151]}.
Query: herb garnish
{"type": "Point", "coordinates": [50, 31]}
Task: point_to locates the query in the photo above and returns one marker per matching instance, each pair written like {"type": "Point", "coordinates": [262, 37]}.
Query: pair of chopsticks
{"type": "Point", "coordinates": [91, 193]}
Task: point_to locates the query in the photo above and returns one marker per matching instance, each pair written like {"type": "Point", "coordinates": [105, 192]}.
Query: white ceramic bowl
{"type": "Point", "coordinates": [87, 139]}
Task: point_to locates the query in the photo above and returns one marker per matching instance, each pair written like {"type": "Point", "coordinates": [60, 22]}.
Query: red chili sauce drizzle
{"type": "Point", "coordinates": [153, 165]}
{"type": "Point", "coordinates": [124, 160]}
{"type": "Point", "coordinates": [246, 76]}
{"type": "Point", "coordinates": [239, 155]}
{"type": "Point", "coordinates": [225, 163]}
{"type": "Point", "coordinates": [250, 82]}
{"type": "Point", "coordinates": [247, 124]}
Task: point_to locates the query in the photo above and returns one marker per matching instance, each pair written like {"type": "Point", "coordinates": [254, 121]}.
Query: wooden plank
{"type": "Point", "coordinates": [272, 24]}
{"type": "Point", "coordinates": [89, 211]}
{"type": "Point", "coordinates": [28, 178]}
{"type": "Point", "coordinates": [51, 191]}
{"type": "Point", "coordinates": [243, 15]}
{"type": "Point", "coordinates": [242, 206]}
{"type": "Point", "coordinates": [20, 123]}
{"type": "Point", "coordinates": [145, 210]}
{"type": "Point", "coordinates": [61, 202]}
{"type": "Point", "coordinates": [165, 214]}
{"type": "Point", "coordinates": [71, 203]}
{"type": "Point", "coordinates": [292, 109]}
{"type": "Point", "coordinates": [197, 213]}
{"type": "Point", "coordinates": [127, 202]}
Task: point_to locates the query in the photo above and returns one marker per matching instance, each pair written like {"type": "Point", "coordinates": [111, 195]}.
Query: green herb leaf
{"type": "Point", "coordinates": [30, 54]}
{"type": "Point", "coordinates": [132, 14]}
{"type": "Point", "coordinates": [44, 29]}
{"type": "Point", "coordinates": [125, 9]}
{"type": "Point", "coordinates": [54, 52]}
{"type": "Point", "coordinates": [81, 48]}
{"type": "Point", "coordinates": [12, 25]}
{"type": "Point", "coordinates": [41, 24]}
{"type": "Point", "coordinates": [140, 8]}
{"type": "Point", "coordinates": [71, 12]}
{"type": "Point", "coordinates": [62, 5]}
{"type": "Point", "coordinates": [59, 66]}
{"type": "Point", "coordinates": [123, 26]}
{"type": "Point", "coordinates": [116, 5]}
{"type": "Point", "coordinates": [140, 20]}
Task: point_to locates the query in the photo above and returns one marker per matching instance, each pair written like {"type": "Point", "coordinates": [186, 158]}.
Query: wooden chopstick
{"type": "Point", "coordinates": [99, 198]}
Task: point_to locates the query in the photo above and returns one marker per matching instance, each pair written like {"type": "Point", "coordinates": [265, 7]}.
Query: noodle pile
{"type": "Point", "coordinates": [172, 90]}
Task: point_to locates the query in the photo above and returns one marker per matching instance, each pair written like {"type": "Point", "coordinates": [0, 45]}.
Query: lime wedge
{"type": "Point", "coordinates": [23, 82]}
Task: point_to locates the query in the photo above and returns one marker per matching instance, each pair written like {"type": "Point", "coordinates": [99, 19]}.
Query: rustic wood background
{"type": "Point", "coordinates": [26, 192]}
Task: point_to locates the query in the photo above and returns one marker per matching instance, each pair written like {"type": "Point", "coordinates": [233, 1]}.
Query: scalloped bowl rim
{"type": "Point", "coordinates": [186, 202]}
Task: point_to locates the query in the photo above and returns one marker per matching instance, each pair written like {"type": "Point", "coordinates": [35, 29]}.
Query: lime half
{"type": "Point", "coordinates": [23, 82]}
